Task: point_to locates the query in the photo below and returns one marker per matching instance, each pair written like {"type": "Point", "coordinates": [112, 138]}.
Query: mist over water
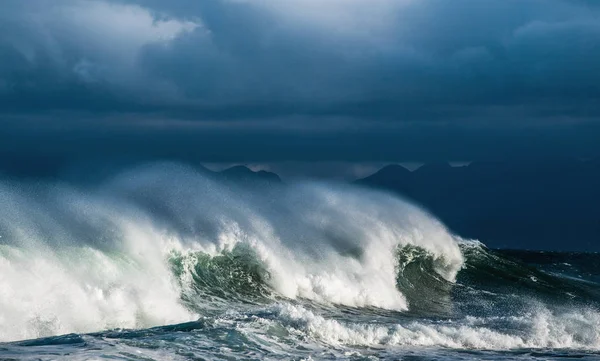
{"type": "Point", "coordinates": [284, 271]}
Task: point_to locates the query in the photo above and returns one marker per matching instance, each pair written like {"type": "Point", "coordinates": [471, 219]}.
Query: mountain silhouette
{"type": "Point", "coordinates": [528, 204]}
{"type": "Point", "coordinates": [240, 173]}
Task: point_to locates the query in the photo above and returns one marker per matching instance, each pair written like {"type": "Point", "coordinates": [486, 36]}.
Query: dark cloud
{"type": "Point", "coordinates": [301, 79]}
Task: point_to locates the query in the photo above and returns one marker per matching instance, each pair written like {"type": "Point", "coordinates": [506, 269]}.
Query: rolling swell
{"type": "Point", "coordinates": [507, 272]}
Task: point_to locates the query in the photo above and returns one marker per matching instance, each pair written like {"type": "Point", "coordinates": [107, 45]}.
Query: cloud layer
{"type": "Point", "coordinates": [473, 69]}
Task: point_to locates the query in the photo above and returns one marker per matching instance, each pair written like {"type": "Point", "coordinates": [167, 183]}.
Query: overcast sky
{"type": "Point", "coordinates": [299, 80]}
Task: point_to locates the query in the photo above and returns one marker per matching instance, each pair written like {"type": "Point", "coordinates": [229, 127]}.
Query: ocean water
{"type": "Point", "coordinates": [164, 263]}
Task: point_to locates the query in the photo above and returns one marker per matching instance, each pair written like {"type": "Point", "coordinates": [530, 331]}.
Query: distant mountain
{"type": "Point", "coordinates": [390, 176]}
{"type": "Point", "coordinates": [542, 204]}
{"type": "Point", "coordinates": [240, 173]}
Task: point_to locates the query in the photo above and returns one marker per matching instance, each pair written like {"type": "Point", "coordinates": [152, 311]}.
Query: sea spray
{"type": "Point", "coordinates": [87, 259]}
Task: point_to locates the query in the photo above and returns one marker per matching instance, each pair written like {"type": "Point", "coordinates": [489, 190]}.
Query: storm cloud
{"type": "Point", "coordinates": [221, 80]}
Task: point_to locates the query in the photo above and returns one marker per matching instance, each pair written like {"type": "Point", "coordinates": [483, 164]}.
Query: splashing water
{"type": "Point", "coordinates": [273, 271]}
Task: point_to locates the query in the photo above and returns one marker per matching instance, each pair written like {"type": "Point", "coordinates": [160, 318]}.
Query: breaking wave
{"type": "Point", "coordinates": [164, 243]}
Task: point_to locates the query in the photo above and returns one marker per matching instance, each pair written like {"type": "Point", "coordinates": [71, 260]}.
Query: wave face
{"type": "Point", "coordinates": [165, 261]}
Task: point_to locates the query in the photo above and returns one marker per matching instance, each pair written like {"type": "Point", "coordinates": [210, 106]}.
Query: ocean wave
{"type": "Point", "coordinates": [336, 264]}
{"type": "Point", "coordinates": [158, 244]}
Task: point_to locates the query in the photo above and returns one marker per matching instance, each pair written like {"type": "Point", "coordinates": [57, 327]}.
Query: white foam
{"type": "Point", "coordinates": [349, 243]}
{"type": "Point", "coordinates": [574, 329]}
{"type": "Point", "coordinates": [50, 284]}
